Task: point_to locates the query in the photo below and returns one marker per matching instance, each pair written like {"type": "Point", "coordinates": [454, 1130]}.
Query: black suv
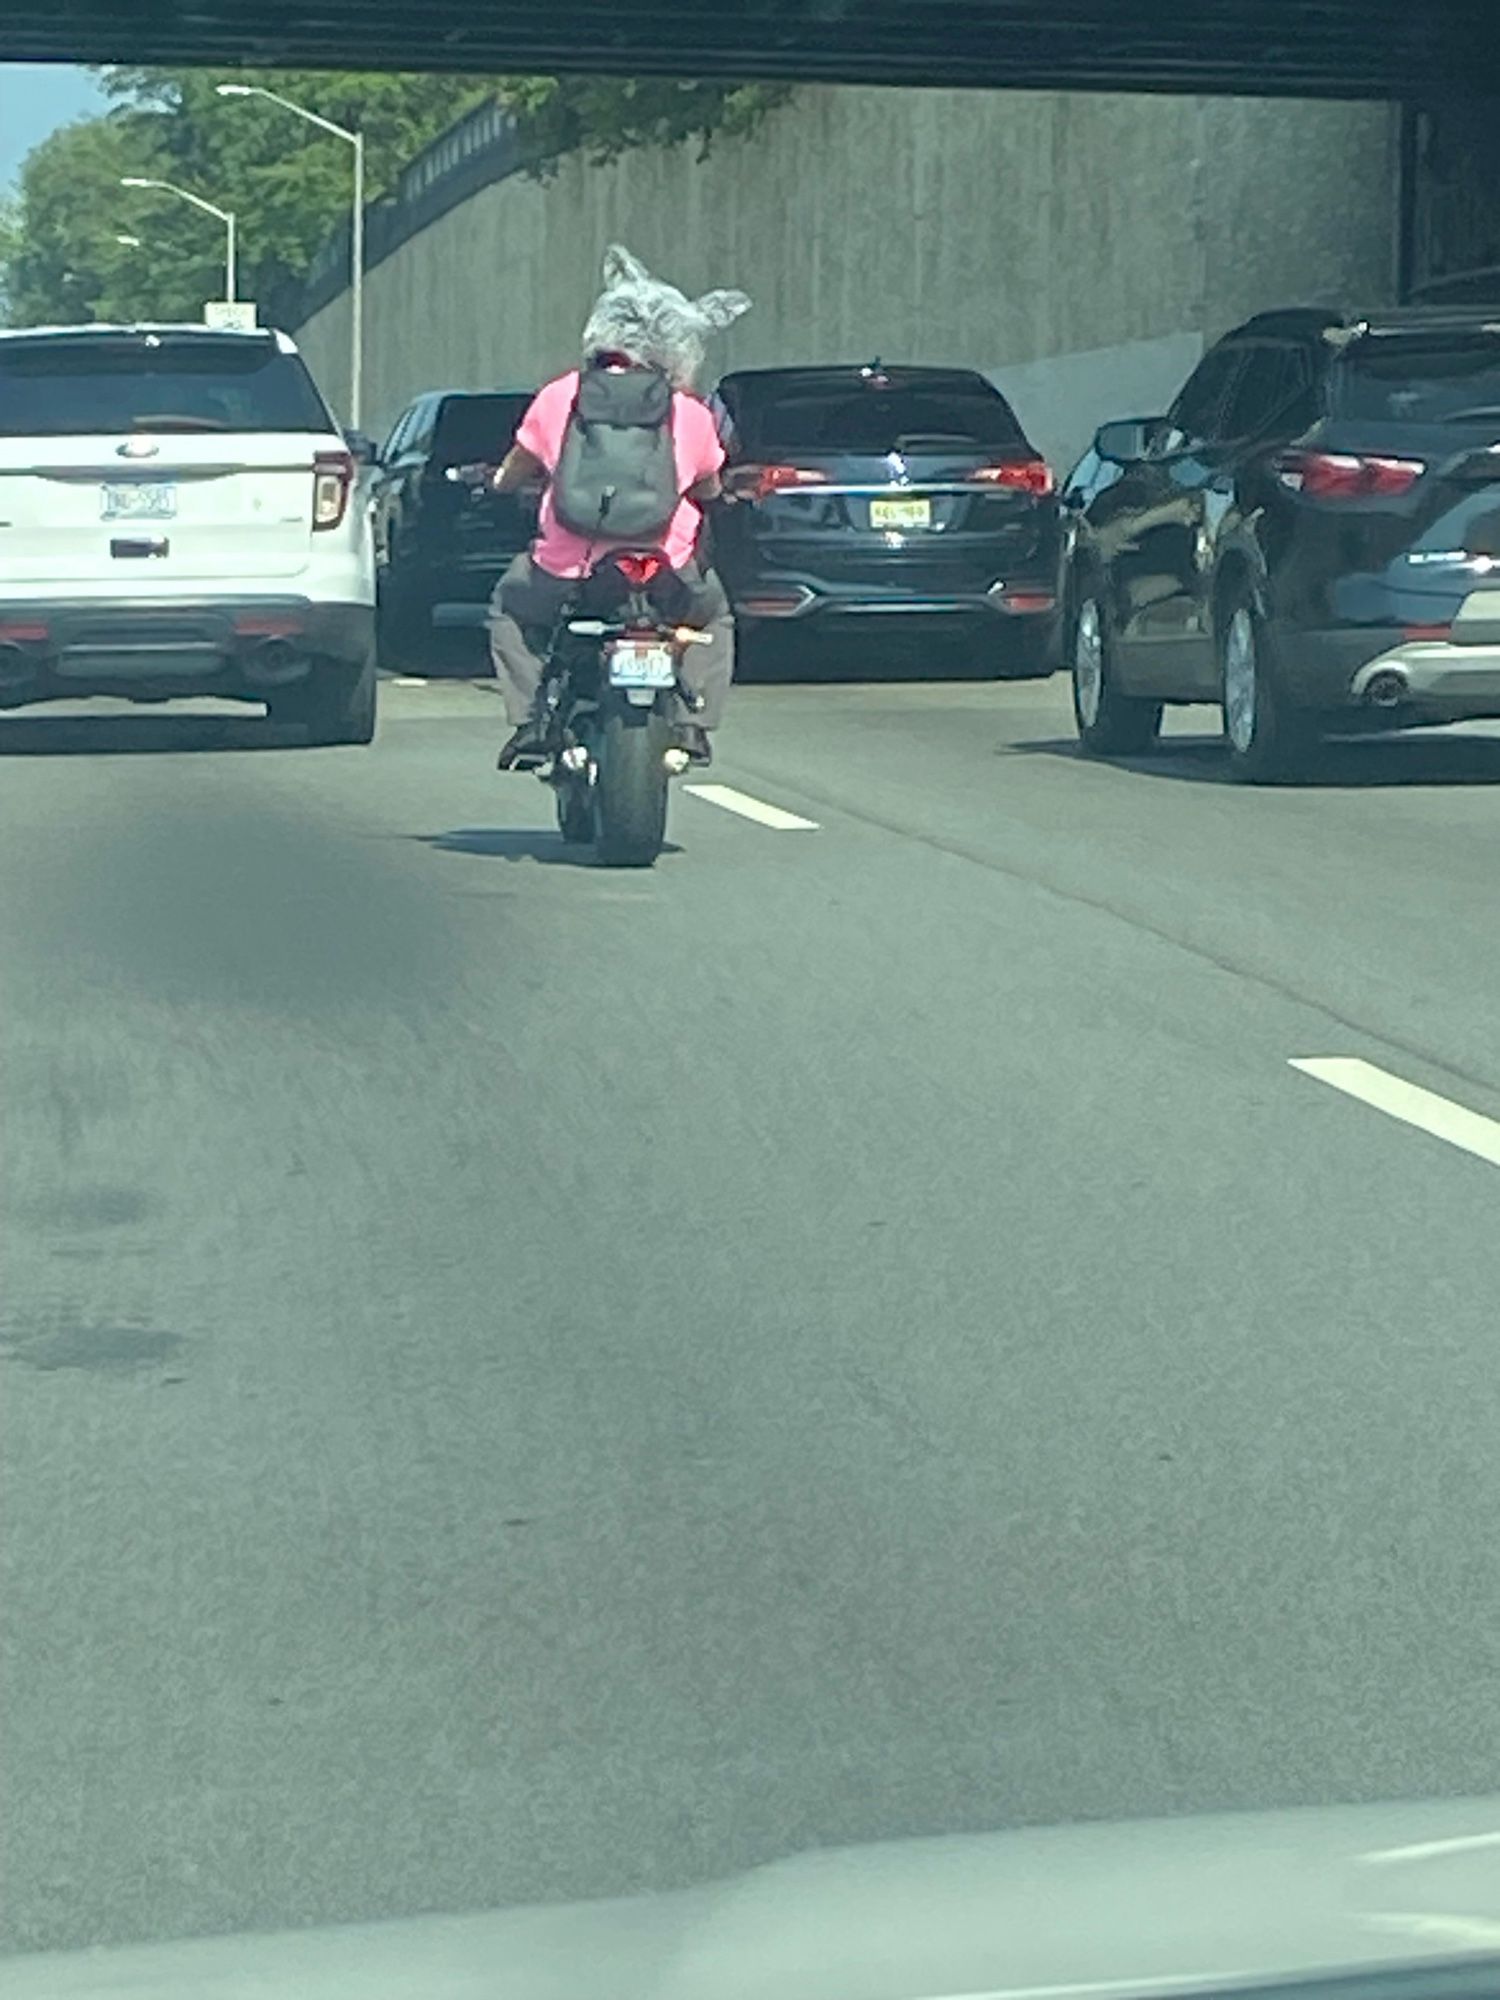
{"type": "Point", "coordinates": [1310, 538]}
{"type": "Point", "coordinates": [888, 491]}
{"type": "Point", "coordinates": [441, 545]}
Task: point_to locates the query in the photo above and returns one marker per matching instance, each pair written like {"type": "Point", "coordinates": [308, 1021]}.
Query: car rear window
{"type": "Point", "coordinates": [838, 418]}
{"type": "Point", "coordinates": [82, 387]}
{"type": "Point", "coordinates": [1415, 382]}
{"type": "Point", "coordinates": [475, 428]}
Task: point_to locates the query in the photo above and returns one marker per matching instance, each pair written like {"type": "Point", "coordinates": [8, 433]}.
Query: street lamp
{"type": "Point", "coordinates": [224, 215]}
{"type": "Point", "coordinates": [356, 232]}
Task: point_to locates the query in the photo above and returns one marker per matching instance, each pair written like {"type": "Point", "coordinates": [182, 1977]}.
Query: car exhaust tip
{"type": "Point", "coordinates": [1387, 689]}
{"type": "Point", "coordinates": [273, 663]}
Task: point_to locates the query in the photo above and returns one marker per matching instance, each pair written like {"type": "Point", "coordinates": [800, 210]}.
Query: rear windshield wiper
{"type": "Point", "coordinates": [914, 440]}
{"type": "Point", "coordinates": [173, 423]}
{"type": "Point", "coordinates": [1480, 413]}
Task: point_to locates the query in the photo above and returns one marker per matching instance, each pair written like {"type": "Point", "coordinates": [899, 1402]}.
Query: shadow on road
{"type": "Point", "coordinates": [516, 844]}
{"type": "Point", "coordinates": [459, 655]}
{"type": "Point", "coordinates": [1345, 765]}
{"type": "Point", "coordinates": [142, 735]}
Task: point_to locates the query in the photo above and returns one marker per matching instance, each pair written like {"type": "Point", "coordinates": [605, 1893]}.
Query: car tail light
{"type": "Point", "coordinates": [758, 482]}
{"type": "Point", "coordinates": [638, 571]}
{"type": "Point", "coordinates": [22, 632]}
{"type": "Point", "coordinates": [1337, 475]}
{"type": "Point", "coordinates": [1017, 475]}
{"type": "Point", "coordinates": [333, 479]}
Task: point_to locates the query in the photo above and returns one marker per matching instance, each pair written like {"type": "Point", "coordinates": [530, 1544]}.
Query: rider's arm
{"type": "Point", "coordinates": [520, 468]}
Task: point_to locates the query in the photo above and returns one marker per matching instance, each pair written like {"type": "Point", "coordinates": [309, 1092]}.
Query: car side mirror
{"type": "Point", "coordinates": [1129, 440]}
{"type": "Point", "coordinates": [363, 449]}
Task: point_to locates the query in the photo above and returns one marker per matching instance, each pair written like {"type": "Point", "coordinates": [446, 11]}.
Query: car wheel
{"type": "Point", "coordinates": [403, 628]}
{"type": "Point", "coordinates": [1268, 740]}
{"type": "Point", "coordinates": [1028, 652]}
{"type": "Point", "coordinates": [1110, 724]}
{"type": "Point", "coordinates": [755, 648]}
{"type": "Point", "coordinates": [335, 704]}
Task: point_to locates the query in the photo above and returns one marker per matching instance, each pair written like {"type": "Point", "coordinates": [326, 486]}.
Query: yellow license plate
{"type": "Point", "coordinates": [900, 513]}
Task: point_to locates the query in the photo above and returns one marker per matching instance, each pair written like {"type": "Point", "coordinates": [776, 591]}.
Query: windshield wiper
{"type": "Point", "coordinates": [1480, 413]}
{"type": "Point", "coordinates": [174, 423]}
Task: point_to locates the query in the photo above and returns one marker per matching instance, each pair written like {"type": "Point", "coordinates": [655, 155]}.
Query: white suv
{"type": "Point", "coordinates": [179, 515]}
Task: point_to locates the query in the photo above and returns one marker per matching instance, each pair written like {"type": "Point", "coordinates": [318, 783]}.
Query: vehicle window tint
{"type": "Point", "coordinates": [79, 387]}
{"type": "Point", "coordinates": [1196, 415]}
{"type": "Point", "coordinates": [395, 444]}
{"type": "Point", "coordinates": [877, 420]}
{"type": "Point", "coordinates": [475, 428]}
{"type": "Point", "coordinates": [1421, 382]}
{"type": "Point", "coordinates": [423, 418]}
{"type": "Point", "coordinates": [1274, 390]}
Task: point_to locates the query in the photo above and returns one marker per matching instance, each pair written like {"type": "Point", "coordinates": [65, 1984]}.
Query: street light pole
{"type": "Point", "coordinates": [357, 286]}
{"type": "Point", "coordinates": [224, 215]}
{"type": "Point", "coordinates": [356, 229]}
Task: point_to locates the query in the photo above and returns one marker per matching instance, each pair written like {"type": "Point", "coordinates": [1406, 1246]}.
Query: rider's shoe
{"type": "Point", "coordinates": [525, 749]}
{"type": "Point", "coordinates": [693, 738]}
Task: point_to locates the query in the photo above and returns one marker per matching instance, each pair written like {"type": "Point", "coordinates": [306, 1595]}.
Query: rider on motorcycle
{"type": "Point", "coordinates": [638, 322]}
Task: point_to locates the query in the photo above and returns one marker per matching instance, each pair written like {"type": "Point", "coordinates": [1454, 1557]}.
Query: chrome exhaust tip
{"type": "Point", "coordinates": [273, 663]}
{"type": "Point", "coordinates": [1387, 689]}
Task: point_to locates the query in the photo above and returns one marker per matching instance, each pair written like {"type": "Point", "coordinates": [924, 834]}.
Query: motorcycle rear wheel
{"type": "Point", "coordinates": [630, 793]}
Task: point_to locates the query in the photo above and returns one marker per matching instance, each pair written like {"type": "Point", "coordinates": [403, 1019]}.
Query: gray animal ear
{"type": "Point", "coordinates": [622, 268]}
{"type": "Point", "coordinates": [722, 309]}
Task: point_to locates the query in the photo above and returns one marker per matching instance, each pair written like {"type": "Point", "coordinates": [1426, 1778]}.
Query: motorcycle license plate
{"type": "Point", "coordinates": [635, 664]}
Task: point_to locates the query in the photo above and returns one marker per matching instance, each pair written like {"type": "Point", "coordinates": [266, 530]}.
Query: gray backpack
{"type": "Point", "coordinates": [617, 471]}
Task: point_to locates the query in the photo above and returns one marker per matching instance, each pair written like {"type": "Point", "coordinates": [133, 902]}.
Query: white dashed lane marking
{"type": "Point", "coordinates": [749, 808]}
{"type": "Point", "coordinates": [1422, 1109]}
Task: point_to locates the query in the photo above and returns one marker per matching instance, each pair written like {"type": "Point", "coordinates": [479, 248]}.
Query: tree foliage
{"type": "Point", "coordinates": [288, 182]}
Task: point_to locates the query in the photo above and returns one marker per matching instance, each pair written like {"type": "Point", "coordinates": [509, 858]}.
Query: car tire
{"type": "Point", "coordinates": [335, 704]}
{"type": "Point", "coordinates": [1110, 724]}
{"type": "Point", "coordinates": [1269, 741]}
{"type": "Point", "coordinates": [403, 628]}
{"type": "Point", "coordinates": [1029, 652]}
{"type": "Point", "coordinates": [754, 648]}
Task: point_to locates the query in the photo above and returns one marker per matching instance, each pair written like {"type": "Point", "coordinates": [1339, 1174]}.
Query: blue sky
{"type": "Point", "coordinates": [35, 98]}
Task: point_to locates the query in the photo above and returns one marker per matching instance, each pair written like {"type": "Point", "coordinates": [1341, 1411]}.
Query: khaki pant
{"type": "Point", "coordinates": [527, 603]}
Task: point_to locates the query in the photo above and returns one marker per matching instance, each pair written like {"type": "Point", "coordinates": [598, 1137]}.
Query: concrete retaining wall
{"type": "Point", "coordinates": [1078, 248]}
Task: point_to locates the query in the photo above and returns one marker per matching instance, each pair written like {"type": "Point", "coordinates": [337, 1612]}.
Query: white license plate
{"type": "Point", "coordinates": [139, 500]}
{"type": "Point", "coordinates": [900, 513]}
{"type": "Point", "coordinates": [634, 665]}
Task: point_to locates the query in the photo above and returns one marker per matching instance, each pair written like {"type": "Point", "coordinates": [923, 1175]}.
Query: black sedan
{"type": "Point", "coordinates": [441, 544]}
{"type": "Point", "coordinates": [880, 492]}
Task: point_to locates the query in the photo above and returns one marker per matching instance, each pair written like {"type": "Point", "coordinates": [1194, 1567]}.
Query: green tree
{"type": "Point", "coordinates": [62, 260]}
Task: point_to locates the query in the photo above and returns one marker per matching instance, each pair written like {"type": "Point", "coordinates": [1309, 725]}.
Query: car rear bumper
{"type": "Point", "coordinates": [807, 597]}
{"type": "Point", "coordinates": [1398, 673]}
{"type": "Point", "coordinates": [242, 648]}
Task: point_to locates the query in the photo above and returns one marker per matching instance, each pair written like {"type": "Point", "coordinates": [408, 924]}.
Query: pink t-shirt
{"type": "Point", "coordinates": [557, 549]}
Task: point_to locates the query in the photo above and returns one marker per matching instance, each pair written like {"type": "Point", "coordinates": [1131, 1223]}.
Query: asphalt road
{"type": "Point", "coordinates": [522, 1382]}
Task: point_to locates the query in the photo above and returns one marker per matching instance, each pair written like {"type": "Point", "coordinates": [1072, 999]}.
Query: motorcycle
{"type": "Point", "coordinates": [612, 681]}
